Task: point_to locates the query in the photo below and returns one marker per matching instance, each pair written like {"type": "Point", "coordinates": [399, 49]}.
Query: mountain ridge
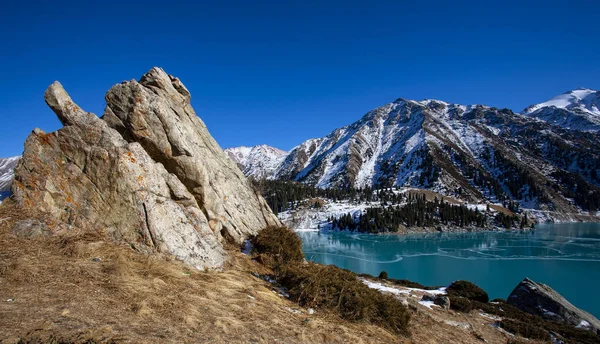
{"type": "Point", "coordinates": [474, 152]}
{"type": "Point", "coordinates": [7, 166]}
{"type": "Point", "coordinates": [578, 109]}
{"type": "Point", "coordinates": [256, 161]}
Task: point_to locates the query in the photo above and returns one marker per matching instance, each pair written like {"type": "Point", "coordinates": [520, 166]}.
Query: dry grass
{"type": "Point", "coordinates": [327, 287]}
{"type": "Point", "coordinates": [278, 246]}
{"type": "Point", "coordinates": [61, 293]}
{"type": "Point", "coordinates": [501, 209]}
{"type": "Point", "coordinates": [468, 290]}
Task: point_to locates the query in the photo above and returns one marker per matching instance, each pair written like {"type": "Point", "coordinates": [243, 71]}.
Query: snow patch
{"type": "Point", "coordinates": [7, 167]}
{"type": "Point", "coordinates": [428, 304]}
{"type": "Point", "coordinates": [583, 324]}
{"type": "Point", "coordinates": [405, 290]}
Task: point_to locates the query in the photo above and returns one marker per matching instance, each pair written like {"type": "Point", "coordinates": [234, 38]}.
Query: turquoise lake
{"type": "Point", "coordinates": [563, 256]}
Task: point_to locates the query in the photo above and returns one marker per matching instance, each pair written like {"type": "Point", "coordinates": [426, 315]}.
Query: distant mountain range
{"type": "Point", "coordinates": [259, 161]}
{"type": "Point", "coordinates": [547, 158]}
{"type": "Point", "coordinates": [7, 166]}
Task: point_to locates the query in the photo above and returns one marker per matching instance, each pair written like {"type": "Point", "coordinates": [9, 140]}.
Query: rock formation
{"type": "Point", "coordinates": [540, 299]}
{"type": "Point", "coordinates": [148, 172]}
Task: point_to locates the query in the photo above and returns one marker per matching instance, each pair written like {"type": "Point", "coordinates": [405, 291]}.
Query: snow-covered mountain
{"type": "Point", "coordinates": [474, 152]}
{"type": "Point", "coordinates": [259, 161]}
{"type": "Point", "coordinates": [578, 110]}
{"type": "Point", "coordinates": [7, 166]}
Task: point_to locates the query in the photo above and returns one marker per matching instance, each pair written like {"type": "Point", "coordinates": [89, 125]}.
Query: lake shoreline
{"type": "Point", "coordinates": [307, 218]}
{"type": "Point", "coordinates": [449, 230]}
{"type": "Point", "coordinates": [427, 230]}
{"type": "Point", "coordinates": [565, 256]}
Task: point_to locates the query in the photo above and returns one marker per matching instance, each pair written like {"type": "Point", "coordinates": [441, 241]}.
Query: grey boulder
{"type": "Point", "coordinates": [540, 299]}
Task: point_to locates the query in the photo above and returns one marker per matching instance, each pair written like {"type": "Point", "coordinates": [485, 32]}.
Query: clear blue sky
{"type": "Point", "coordinates": [284, 71]}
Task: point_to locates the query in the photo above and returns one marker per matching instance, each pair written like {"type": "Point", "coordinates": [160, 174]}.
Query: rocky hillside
{"type": "Point", "coordinates": [102, 207]}
{"type": "Point", "coordinates": [475, 153]}
{"type": "Point", "coordinates": [148, 172]}
{"type": "Point", "coordinates": [83, 287]}
{"type": "Point", "coordinates": [259, 161]}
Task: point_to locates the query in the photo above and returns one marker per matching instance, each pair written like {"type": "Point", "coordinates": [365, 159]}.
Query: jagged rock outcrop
{"type": "Point", "coordinates": [156, 112]}
{"type": "Point", "coordinates": [148, 172]}
{"type": "Point", "coordinates": [540, 299]}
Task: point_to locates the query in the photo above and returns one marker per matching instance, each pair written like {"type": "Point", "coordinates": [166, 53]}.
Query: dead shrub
{"type": "Point", "coordinates": [460, 304]}
{"type": "Point", "coordinates": [468, 290]}
{"type": "Point", "coordinates": [325, 286]}
{"type": "Point", "coordinates": [278, 246]}
{"type": "Point", "coordinates": [524, 329]}
{"type": "Point", "coordinates": [332, 288]}
{"type": "Point", "coordinates": [411, 284]}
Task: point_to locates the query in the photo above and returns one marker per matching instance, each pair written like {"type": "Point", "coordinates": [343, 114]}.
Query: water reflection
{"type": "Point", "coordinates": [564, 241]}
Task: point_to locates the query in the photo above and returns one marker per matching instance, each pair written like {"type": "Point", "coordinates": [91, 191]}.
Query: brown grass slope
{"type": "Point", "coordinates": [82, 287]}
{"type": "Point", "coordinates": [62, 293]}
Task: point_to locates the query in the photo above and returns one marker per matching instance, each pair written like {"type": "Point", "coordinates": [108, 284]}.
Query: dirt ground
{"type": "Point", "coordinates": [80, 287]}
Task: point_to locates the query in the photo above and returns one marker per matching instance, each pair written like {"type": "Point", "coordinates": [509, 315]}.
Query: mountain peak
{"type": "Point", "coordinates": [257, 161]}
{"type": "Point", "coordinates": [578, 97]}
{"type": "Point", "coordinates": [243, 152]}
{"type": "Point", "coordinates": [577, 109]}
{"type": "Point", "coordinates": [581, 92]}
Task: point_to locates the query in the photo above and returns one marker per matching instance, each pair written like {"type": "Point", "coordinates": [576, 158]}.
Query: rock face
{"type": "Point", "coordinates": [148, 172]}
{"type": "Point", "coordinates": [540, 299]}
{"type": "Point", "coordinates": [442, 301]}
